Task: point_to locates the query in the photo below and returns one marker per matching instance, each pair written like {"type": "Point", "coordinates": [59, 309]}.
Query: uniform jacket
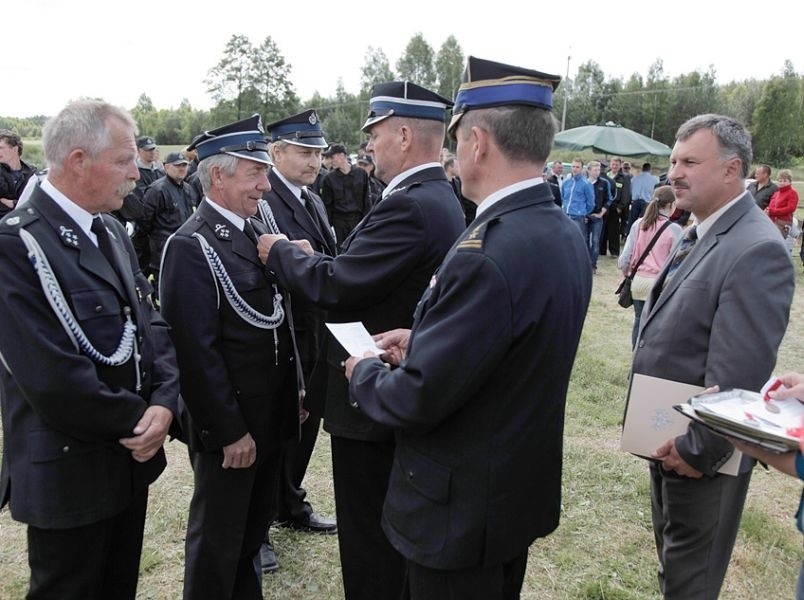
{"type": "Point", "coordinates": [63, 413]}
{"type": "Point", "coordinates": [720, 319]}
{"type": "Point", "coordinates": [620, 189]}
{"type": "Point", "coordinates": [12, 189]}
{"type": "Point", "coordinates": [478, 404]}
{"type": "Point", "coordinates": [230, 380]}
{"type": "Point", "coordinates": [298, 224]}
{"type": "Point", "coordinates": [346, 195]}
{"type": "Point", "coordinates": [166, 206]}
{"type": "Point", "coordinates": [378, 278]}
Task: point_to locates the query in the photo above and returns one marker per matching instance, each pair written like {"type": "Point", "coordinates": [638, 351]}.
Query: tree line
{"type": "Point", "coordinates": [253, 78]}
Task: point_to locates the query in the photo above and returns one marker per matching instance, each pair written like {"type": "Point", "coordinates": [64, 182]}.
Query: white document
{"type": "Point", "coordinates": [650, 419]}
{"type": "Point", "coordinates": [354, 338]}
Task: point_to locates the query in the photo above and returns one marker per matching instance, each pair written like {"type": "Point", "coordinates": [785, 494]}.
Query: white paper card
{"type": "Point", "coordinates": [354, 338]}
{"type": "Point", "coordinates": [650, 419]}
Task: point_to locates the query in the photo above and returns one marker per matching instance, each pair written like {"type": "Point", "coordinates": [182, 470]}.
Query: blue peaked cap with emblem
{"type": "Point", "coordinates": [486, 84]}
{"type": "Point", "coordinates": [303, 129]}
{"type": "Point", "coordinates": [242, 139]}
{"type": "Point", "coordinates": [404, 99]}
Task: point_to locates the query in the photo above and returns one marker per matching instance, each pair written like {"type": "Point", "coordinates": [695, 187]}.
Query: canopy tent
{"type": "Point", "coordinates": [610, 139]}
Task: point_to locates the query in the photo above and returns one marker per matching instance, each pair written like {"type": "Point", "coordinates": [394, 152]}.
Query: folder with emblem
{"type": "Point", "coordinates": [650, 418]}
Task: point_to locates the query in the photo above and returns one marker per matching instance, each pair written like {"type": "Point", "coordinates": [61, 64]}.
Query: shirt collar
{"type": "Point", "coordinates": [708, 222]}
{"type": "Point", "coordinates": [405, 174]}
{"type": "Point", "coordinates": [294, 189]}
{"type": "Point", "coordinates": [234, 219]}
{"type": "Point", "coordinates": [75, 212]}
{"type": "Point", "coordinates": [492, 199]}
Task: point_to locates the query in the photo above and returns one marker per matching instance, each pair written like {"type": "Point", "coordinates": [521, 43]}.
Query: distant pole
{"type": "Point", "coordinates": [564, 112]}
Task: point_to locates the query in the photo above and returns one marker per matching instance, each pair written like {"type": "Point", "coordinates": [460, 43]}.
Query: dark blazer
{"type": "Point", "coordinates": [720, 319]}
{"type": "Point", "coordinates": [63, 413]}
{"type": "Point", "coordinates": [230, 380]}
{"type": "Point", "coordinates": [378, 278]}
{"type": "Point", "coordinates": [478, 404]}
{"type": "Point", "coordinates": [298, 224]}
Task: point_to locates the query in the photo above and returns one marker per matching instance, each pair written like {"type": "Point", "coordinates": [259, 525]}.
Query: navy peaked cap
{"type": "Point", "coordinates": [243, 139]}
{"type": "Point", "coordinates": [404, 99]}
{"type": "Point", "coordinates": [303, 129]}
{"type": "Point", "coordinates": [487, 84]}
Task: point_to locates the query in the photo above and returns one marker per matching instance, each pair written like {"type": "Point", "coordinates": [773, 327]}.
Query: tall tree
{"type": "Point", "coordinates": [145, 114]}
{"type": "Point", "coordinates": [342, 117]}
{"type": "Point", "coordinates": [376, 69]}
{"type": "Point", "coordinates": [229, 80]}
{"type": "Point", "coordinates": [416, 63]}
{"type": "Point", "coordinates": [777, 132]}
{"type": "Point", "coordinates": [449, 67]}
{"type": "Point", "coordinates": [269, 77]}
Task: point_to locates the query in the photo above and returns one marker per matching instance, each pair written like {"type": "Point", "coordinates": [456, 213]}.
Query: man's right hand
{"type": "Point", "coordinates": [241, 454]}
{"type": "Point", "coordinates": [395, 344]}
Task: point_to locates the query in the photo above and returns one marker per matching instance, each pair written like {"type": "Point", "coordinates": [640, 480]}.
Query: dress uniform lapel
{"type": "Point", "coordinates": [300, 214]}
{"type": "Point", "coordinates": [227, 234]}
{"type": "Point", "coordinates": [75, 240]}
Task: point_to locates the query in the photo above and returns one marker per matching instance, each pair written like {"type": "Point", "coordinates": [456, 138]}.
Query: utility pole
{"type": "Point", "coordinates": [564, 112]}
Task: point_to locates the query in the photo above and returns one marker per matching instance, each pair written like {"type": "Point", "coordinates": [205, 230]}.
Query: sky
{"type": "Point", "coordinates": [58, 50]}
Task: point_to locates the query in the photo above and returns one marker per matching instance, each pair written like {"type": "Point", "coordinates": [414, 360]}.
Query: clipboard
{"type": "Point", "coordinates": [651, 419]}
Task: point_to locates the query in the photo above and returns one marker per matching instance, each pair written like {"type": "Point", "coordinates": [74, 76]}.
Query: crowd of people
{"type": "Point", "coordinates": [188, 298]}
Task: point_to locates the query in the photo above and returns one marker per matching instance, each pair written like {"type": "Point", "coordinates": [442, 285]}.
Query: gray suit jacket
{"type": "Point", "coordinates": [720, 319]}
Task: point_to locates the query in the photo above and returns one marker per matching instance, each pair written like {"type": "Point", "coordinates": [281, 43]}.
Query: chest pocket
{"type": "Point", "coordinates": [95, 304]}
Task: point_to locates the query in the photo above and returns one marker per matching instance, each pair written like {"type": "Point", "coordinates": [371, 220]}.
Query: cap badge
{"type": "Point", "coordinates": [313, 119]}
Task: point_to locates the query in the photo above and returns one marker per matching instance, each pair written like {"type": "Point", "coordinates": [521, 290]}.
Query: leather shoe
{"type": "Point", "coordinates": [313, 523]}
{"type": "Point", "coordinates": [268, 560]}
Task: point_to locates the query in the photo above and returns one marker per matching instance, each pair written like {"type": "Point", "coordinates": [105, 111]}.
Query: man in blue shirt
{"type": "Point", "coordinates": [641, 192]}
{"type": "Point", "coordinates": [578, 198]}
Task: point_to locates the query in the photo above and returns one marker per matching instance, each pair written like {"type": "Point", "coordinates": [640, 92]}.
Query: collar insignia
{"type": "Point", "coordinates": [222, 231]}
{"type": "Point", "coordinates": [68, 236]}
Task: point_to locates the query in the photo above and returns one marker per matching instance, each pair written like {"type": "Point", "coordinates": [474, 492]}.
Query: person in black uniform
{"type": "Point", "coordinates": [345, 192]}
{"type": "Point", "coordinates": [296, 145]}
{"type": "Point", "coordinates": [168, 203]}
{"type": "Point", "coordinates": [477, 402]}
{"type": "Point", "coordinates": [386, 263]}
{"type": "Point", "coordinates": [14, 172]}
{"type": "Point", "coordinates": [89, 388]}
{"type": "Point", "coordinates": [239, 381]}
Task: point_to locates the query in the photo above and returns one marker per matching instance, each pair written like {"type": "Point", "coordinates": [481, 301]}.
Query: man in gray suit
{"type": "Point", "coordinates": [716, 317]}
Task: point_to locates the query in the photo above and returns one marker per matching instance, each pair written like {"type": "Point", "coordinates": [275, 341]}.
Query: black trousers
{"type": "Point", "coordinates": [611, 233]}
{"type": "Point", "coordinates": [229, 514]}
{"type": "Point", "coordinates": [496, 582]}
{"type": "Point", "coordinates": [372, 569]}
{"type": "Point", "coordinates": [94, 562]}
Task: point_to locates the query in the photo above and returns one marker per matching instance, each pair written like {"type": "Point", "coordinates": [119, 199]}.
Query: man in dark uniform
{"type": "Point", "coordinates": [90, 386]}
{"type": "Point", "coordinates": [236, 361]}
{"type": "Point", "coordinates": [615, 222]}
{"type": "Point", "coordinates": [14, 172]}
{"type": "Point", "coordinates": [385, 265]}
{"type": "Point", "coordinates": [296, 145]}
{"type": "Point", "coordinates": [345, 192]}
{"type": "Point", "coordinates": [478, 400]}
{"type": "Point", "coordinates": [168, 203]}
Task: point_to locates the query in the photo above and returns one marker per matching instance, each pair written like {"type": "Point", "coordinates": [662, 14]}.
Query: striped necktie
{"type": "Point", "coordinates": [684, 248]}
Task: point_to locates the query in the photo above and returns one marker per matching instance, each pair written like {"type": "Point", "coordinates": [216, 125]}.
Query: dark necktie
{"type": "Point", "coordinates": [104, 243]}
{"type": "Point", "coordinates": [684, 248]}
{"type": "Point", "coordinates": [248, 229]}
{"type": "Point", "coordinates": [308, 204]}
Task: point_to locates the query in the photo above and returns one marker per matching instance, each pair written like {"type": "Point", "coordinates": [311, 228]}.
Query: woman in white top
{"type": "Point", "coordinates": [642, 232]}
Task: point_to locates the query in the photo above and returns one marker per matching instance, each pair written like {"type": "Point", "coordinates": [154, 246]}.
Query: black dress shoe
{"type": "Point", "coordinates": [268, 560]}
{"type": "Point", "coordinates": [314, 523]}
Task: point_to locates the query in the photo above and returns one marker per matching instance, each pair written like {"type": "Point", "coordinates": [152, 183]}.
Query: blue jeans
{"type": "Point", "coordinates": [637, 210]}
{"type": "Point", "coordinates": [638, 306]}
{"type": "Point", "coordinates": [580, 221]}
{"type": "Point", "coordinates": [800, 584]}
{"type": "Point", "coordinates": [595, 226]}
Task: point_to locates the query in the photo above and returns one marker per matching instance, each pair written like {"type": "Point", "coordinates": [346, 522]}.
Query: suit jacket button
{"type": "Point", "coordinates": [204, 433]}
{"type": "Point", "coordinates": [145, 374]}
{"type": "Point", "coordinates": [66, 449]}
{"type": "Point", "coordinates": [410, 474]}
{"type": "Point", "coordinates": [641, 343]}
{"type": "Point", "coordinates": [98, 308]}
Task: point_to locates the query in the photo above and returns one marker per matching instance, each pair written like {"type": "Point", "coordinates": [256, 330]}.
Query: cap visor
{"type": "Point", "coordinates": [371, 121]}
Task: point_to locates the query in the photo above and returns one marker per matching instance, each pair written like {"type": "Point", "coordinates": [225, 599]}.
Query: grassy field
{"type": "Point", "coordinates": [603, 549]}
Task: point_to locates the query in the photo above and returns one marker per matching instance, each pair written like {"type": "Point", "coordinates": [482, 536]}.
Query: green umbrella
{"type": "Point", "coordinates": [610, 139]}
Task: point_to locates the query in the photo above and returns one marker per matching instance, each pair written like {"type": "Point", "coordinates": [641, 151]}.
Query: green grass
{"type": "Point", "coordinates": [603, 548]}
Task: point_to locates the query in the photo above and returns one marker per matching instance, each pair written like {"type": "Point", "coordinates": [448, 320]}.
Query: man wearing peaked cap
{"type": "Point", "coordinates": [385, 265]}
{"type": "Point", "coordinates": [296, 145]}
{"type": "Point", "coordinates": [345, 192]}
{"type": "Point", "coordinates": [239, 381]}
{"type": "Point", "coordinates": [488, 360]}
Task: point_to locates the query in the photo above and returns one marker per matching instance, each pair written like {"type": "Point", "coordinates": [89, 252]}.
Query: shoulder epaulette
{"type": "Point", "coordinates": [476, 236]}
{"type": "Point", "coordinates": [19, 218]}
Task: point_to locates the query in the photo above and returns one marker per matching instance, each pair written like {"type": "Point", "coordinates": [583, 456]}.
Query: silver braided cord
{"type": "Point", "coordinates": [55, 297]}
{"type": "Point", "coordinates": [240, 306]}
{"type": "Point", "coordinates": [267, 216]}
